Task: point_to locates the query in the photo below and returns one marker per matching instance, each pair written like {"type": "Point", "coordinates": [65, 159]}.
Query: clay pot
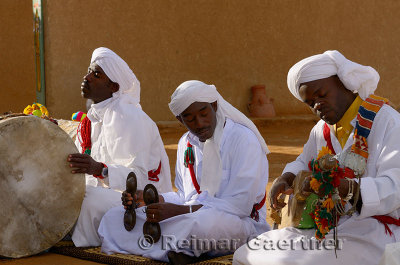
{"type": "Point", "coordinates": [260, 105]}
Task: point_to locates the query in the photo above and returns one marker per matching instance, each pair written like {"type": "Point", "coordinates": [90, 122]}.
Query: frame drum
{"type": "Point", "coordinates": [40, 199]}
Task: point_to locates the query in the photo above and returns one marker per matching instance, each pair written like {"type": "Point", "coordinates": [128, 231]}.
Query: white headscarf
{"type": "Point", "coordinates": [197, 91]}
{"type": "Point", "coordinates": [355, 77]}
{"type": "Point", "coordinates": [119, 72]}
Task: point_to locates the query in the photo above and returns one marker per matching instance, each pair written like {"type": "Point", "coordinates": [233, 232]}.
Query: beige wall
{"type": "Point", "coordinates": [233, 44]}
{"type": "Point", "coordinates": [17, 64]}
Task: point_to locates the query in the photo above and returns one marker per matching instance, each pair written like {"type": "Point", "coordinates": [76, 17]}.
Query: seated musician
{"type": "Point", "coordinates": [353, 153]}
{"type": "Point", "coordinates": [221, 176]}
{"type": "Point", "coordinates": [115, 138]}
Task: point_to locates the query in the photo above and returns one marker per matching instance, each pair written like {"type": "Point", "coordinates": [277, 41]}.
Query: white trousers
{"type": "Point", "coordinates": [204, 231]}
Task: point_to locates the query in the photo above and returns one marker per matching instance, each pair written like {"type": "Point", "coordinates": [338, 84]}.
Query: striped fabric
{"type": "Point", "coordinates": [365, 118]}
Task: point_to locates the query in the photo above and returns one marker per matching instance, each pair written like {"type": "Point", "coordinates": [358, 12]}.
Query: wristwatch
{"type": "Point", "coordinates": [104, 172]}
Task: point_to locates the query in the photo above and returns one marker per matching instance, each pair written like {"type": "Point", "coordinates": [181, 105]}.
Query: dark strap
{"type": "Point", "coordinates": [153, 174]}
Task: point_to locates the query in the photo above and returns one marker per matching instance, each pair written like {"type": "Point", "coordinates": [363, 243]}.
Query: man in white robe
{"type": "Point", "coordinates": [123, 140]}
{"type": "Point", "coordinates": [215, 203]}
{"type": "Point", "coordinates": [334, 88]}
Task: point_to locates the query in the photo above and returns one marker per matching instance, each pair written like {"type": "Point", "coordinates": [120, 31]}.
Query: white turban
{"type": "Point", "coordinates": [119, 72]}
{"type": "Point", "coordinates": [355, 77]}
{"type": "Point", "coordinates": [196, 91]}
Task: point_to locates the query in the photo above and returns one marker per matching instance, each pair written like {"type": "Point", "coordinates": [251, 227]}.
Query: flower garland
{"type": "Point", "coordinates": [36, 109]}
{"type": "Point", "coordinates": [39, 110]}
{"type": "Point", "coordinates": [326, 176]}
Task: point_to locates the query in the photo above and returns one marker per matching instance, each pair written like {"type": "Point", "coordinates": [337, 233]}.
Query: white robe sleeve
{"type": "Point", "coordinates": [380, 189]}
{"type": "Point", "coordinates": [130, 141]}
{"type": "Point", "coordinates": [177, 197]}
{"type": "Point", "coordinates": [248, 177]}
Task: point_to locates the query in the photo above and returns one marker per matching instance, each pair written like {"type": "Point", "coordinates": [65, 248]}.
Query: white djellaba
{"type": "Point", "coordinates": [240, 168]}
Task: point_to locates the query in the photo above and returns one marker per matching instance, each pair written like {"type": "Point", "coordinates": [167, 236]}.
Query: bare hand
{"type": "Point", "coordinates": [83, 163]}
{"type": "Point", "coordinates": [157, 212]}
{"type": "Point", "coordinates": [281, 185]}
{"type": "Point", "coordinates": [306, 188]}
{"type": "Point", "coordinates": [343, 188]}
{"type": "Point", "coordinates": [128, 200]}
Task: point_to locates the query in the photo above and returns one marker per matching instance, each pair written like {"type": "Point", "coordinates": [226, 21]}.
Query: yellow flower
{"type": "Point", "coordinates": [324, 151]}
{"type": "Point", "coordinates": [44, 110]}
{"type": "Point", "coordinates": [28, 110]}
{"type": "Point", "coordinates": [315, 184]}
{"type": "Point", "coordinates": [328, 204]}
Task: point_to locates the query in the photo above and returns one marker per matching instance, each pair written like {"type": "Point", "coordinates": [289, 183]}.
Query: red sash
{"type": "Point", "coordinates": [153, 174]}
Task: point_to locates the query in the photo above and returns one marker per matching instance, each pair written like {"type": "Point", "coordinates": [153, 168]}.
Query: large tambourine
{"type": "Point", "coordinates": [40, 199]}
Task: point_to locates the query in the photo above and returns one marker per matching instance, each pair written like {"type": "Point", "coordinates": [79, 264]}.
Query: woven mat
{"type": "Point", "coordinates": [94, 254]}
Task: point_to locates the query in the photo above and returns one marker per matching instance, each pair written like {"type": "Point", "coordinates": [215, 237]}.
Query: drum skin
{"type": "Point", "coordinates": [40, 199]}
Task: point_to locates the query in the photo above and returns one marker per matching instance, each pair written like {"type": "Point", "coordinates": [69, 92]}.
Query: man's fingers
{"type": "Point", "coordinates": [281, 205]}
{"type": "Point", "coordinates": [288, 191]}
{"type": "Point", "coordinates": [78, 160]}
{"type": "Point", "coordinates": [140, 204]}
{"type": "Point", "coordinates": [152, 215]}
{"type": "Point", "coordinates": [77, 155]}
{"type": "Point", "coordinates": [79, 170]}
{"type": "Point", "coordinates": [306, 185]}
{"type": "Point", "coordinates": [276, 190]}
{"type": "Point", "coordinates": [126, 199]}
{"type": "Point", "coordinates": [126, 194]}
{"type": "Point", "coordinates": [274, 201]}
{"type": "Point", "coordinates": [78, 165]}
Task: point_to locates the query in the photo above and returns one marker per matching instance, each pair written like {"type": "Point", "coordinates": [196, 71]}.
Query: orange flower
{"type": "Point", "coordinates": [328, 204]}
{"type": "Point", "coordinates": [315, 184]}
{"type": "Point", "coordinates": [28, 110]}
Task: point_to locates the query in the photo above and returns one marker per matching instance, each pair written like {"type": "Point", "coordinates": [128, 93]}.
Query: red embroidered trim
{"type": "Point", "coordinates": [153, 175]}
{"type": "Point", "coordinates": [387, 220]}
{"type": "Point", "coordinates": [327, 137]}
{"type": "Point", "coordinates": [254, 212]}
{"type": "Point", "coordinates": [192, 175]}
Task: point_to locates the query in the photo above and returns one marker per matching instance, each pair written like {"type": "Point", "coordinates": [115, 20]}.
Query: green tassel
{"type": "Point", "coordinates": [188, 157]}
{"type": "Point", "coordinates": [87, 151]}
